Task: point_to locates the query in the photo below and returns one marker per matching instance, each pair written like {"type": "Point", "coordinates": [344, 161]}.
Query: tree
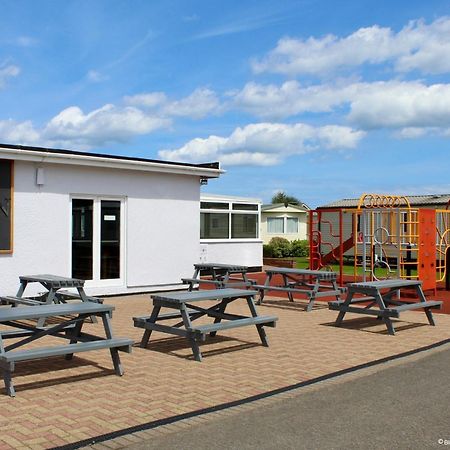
{"type": "Point", "coordinates": [282, 197]}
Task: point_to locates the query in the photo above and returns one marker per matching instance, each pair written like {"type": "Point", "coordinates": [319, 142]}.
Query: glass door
{"type": "Point", "coordinates": [82, 239]}
{"type": "Point", "coordinates": [110, 240]}
{"type": "Point", "coordinates": [97, 240]}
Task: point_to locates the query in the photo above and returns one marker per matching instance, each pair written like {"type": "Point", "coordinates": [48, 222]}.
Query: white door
{"type": "Point", "coordinates": [98, 240]}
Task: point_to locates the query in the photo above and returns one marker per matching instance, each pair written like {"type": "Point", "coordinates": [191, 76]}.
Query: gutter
{"type": "Point", "coordinates": [105, 162]}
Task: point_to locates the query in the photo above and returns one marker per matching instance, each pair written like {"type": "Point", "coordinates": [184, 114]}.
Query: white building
{"type": "Point", "coordinates": [229, 230]}
{"type": "Point", "coordinates": [123, 224]}
{"type": "Point", "coordinates": [286, 221]}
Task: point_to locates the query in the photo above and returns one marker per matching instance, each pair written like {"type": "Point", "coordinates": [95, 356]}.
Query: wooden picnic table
{"type": "Point", "coordinates": [220, 276]}
{"type": "Point", "coordinates": [53, 285]}
{"type": "Point", "coordinates": [311, 283]}
{"type": "Point", "coordinates": [183, 304]}
{"type": "Point", "coordinates": [385, 295]}
{"type": "Point", "coordinates": [69, 319]}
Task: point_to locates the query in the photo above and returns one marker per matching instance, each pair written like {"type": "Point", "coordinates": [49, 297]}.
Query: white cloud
{"type": "Point", "coordinates": [401, 105]}
{"type": "Point", "coordinates": [149, 100]}
{"type": "Point", "coordinates": [106, 124]}
{"type": "Point", "coordinates": [274, 102]}
{"type": "Point", "coordinates": [96, 77]}
{"type": "Point", "coordinates": [198, 104]}
{"type": "Point", "coordinates": [410, 105]}
{"type": "Point", "coordinates": [12, 132]}
{"type": "Point", "coordinates": [26, 41]}
{"type": "Point", "coordinates": [417, 46]}
{"type": "Point", "coordinates": [265, 143]}
{"type": "Point", "coordinates": [6, 72]}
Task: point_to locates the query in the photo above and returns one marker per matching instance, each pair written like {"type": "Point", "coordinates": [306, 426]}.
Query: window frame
{"type": "Point", "coordinates": [229, 211]}
{"type": "Point", "coordinates": [10, 250]}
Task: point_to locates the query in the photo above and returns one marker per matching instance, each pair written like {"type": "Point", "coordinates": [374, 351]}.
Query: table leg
{"type": "Point", "coordinates": [343, 307]}
{"type": "Point", "coordinates": [428, 312]}
{"type": "Point", "coordinates": [286, 284]}
{"type": "Point", "coordinates": [259, 327]}
{"type": "Point", "coordinates": [114, 351]}
{"type": "Point", "coordinates": [152, 319]}
{"type": "Point", "coordinates": [73, 334]}
{"type": "Point", "coordinates": [84, 298]}
{"type": "Point", "coordinates": [263, 291]}
{"type": "Point", "coordinates": [48, 301]}
{"type": "Point", "coordinates": [312, 295]}
{"type": "Point", "coordinates": [191, 337]}
{"type": "Point", "coordinates": [7, 378]}
{"type": "Point", "coordinates": [220, 309]}
{"type": "Point", "coordinates": [386, 320]}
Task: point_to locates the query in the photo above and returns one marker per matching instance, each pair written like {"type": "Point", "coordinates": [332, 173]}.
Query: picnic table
{"type": "Point", "coordinates": [385, 294]}
{"type": "Point", "coordinates": [221, 276]}
{"type": "Point", "coordinates": [69, 319]}
{"type": "Point", "coordinates": [183, 304]}
{"type": "Point", "coordinates": [311, 283]}
{"type": "Point", "coordinates": [53, 285]}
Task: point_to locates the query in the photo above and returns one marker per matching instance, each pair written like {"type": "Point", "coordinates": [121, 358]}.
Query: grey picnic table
{"type": "Point", "coordinates": [311, 283]}
{"type": "Point", "coordinates": [383, 300]}
{"type": "Point", "coordinates": [187, 311]}
{"type": "Point", "coordinates": [220, 276]}
{"type": "Point", "coordinates": [53, 284]}
{"type": "Point", "coordinates": [19, 323]}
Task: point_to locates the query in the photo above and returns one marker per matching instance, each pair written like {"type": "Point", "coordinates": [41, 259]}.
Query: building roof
{"type": "Point", "coordinates": [51, 155]}
{"type": "Point", "coordinates": [302, 207]}
{"type": "Point", "coordinates": [229, 198]}
{"type": "Point", "coordinates": [414, 200]}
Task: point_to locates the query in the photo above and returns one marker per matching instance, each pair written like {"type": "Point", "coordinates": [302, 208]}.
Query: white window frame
{"type": "Point", "coordinates": [285, 219]}
{"type": "Point", "coordinates": [96, 239]}
{"type": "Point", "coordinates": [230, 211]}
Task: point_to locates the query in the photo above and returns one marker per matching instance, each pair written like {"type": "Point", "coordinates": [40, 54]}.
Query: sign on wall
{"type": "Point", "coordinates": [6, 207]}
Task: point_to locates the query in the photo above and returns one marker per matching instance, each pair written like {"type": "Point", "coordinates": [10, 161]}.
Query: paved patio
{"type": "Point", "coordinates": [60, 402]}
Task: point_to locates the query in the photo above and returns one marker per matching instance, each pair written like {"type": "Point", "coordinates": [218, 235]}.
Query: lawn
{"type": "Point", "coordinates": [380, 272]}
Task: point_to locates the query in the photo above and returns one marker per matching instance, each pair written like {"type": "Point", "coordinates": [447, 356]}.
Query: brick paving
{"type": "Point", "coordinates": [60, 402]}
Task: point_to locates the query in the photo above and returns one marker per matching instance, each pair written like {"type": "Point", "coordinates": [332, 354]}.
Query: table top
{"type": "Point", "coordinates": [229, 267]}
{"type": "Point", "coordinates": [385, 284]}
{"type": "Point", "coordinates": [35, 312]}
{"type": "Point", "coordinates": [198, 296]}
{"type": "Point", "coordinates": [315, 273]}
{"type": "Point", "coordinates": [53, 280]}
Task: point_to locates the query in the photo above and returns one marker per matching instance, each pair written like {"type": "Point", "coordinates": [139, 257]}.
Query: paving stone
{"type": "Point", "coordinates": [63, 401]}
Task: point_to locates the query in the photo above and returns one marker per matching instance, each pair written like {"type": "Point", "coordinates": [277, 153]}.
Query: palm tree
{"type": "Point", "coordinates": [282, 197]}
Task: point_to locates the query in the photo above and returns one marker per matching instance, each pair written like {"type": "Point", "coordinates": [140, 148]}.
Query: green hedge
{"type": "Point", "coordinates": [282, 248]}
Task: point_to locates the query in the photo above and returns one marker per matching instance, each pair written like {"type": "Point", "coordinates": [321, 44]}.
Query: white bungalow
{"type": "Point", "coordinates": [123, 224]}
{"type": "Point", "coordinates": [286, 221]}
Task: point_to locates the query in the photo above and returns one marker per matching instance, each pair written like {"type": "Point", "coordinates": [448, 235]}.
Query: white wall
{"type": "Point", "coordinates": [162, 223]}
{"type": "Point", "coordinates": [245, 253]}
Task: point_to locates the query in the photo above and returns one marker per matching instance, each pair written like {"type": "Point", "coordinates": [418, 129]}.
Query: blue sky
{"type": "Point", "coordinates": [320, 99]}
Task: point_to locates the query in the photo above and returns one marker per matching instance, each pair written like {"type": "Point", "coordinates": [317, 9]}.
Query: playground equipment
{"type": "Point", "coordinates": [384, 237]}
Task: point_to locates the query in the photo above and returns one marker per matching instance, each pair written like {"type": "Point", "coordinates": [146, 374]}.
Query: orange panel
{"type": "Point", "coordinates": [427, 248]}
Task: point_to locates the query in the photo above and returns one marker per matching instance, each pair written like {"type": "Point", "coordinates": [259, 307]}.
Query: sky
{"type": "Point", "coordinates": [320, 99]}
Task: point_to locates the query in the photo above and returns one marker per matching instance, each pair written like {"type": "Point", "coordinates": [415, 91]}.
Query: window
{"type": "Point", "coordinates": [6, 206]}
{"type": "Point", "coordinates": [291, 225]}
{"type": "Point", "coordinates": [275, 225]}
{"type": "Point", "coordinates": [282, 225]}
{"type": "Point", "coordinates": [214, 226]}
{"type": "Point", "coordinates": [225, 220]}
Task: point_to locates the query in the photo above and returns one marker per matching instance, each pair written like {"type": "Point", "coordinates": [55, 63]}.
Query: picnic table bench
{"type": "Point", "coordinates": [183, 304]}
{"type": "Point", "coordinates": [381, 294]}
{"type": "Point", "coordinates": [311, 283]}
{"type": "Point", "coordinates": [53, 285]}
{"type": "Point", "coordinates": [222, 275]}
{"type": "Point", "coordinates": [70, 320]}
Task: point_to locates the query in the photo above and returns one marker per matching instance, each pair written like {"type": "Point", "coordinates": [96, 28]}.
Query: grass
{"type": "Point", "coordinates": [380, 272]}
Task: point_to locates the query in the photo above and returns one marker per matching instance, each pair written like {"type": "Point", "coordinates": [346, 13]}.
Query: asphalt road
{"type": "Point", "coordinates": [401, 406]}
